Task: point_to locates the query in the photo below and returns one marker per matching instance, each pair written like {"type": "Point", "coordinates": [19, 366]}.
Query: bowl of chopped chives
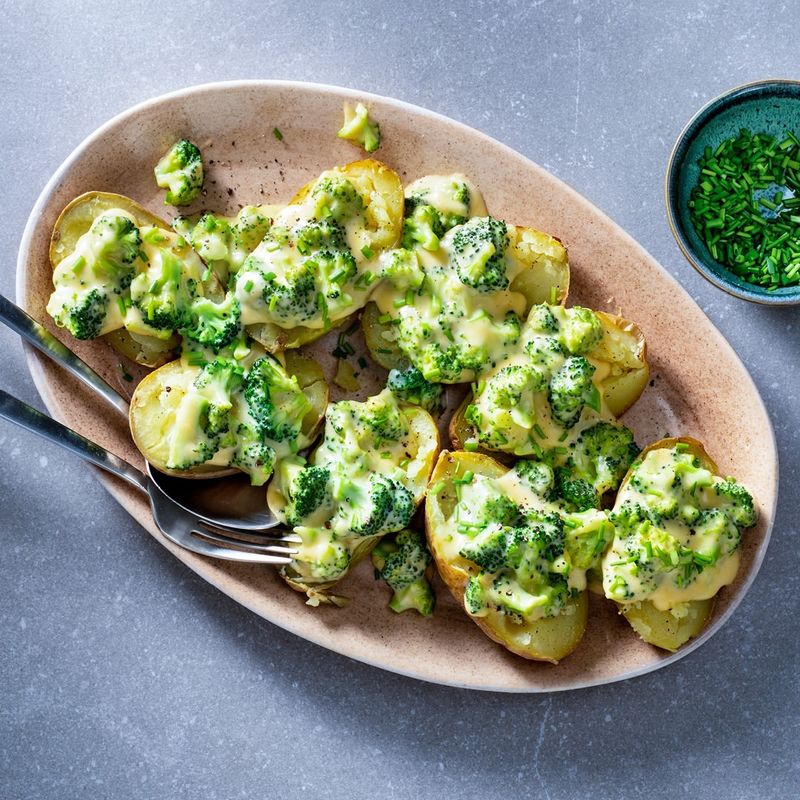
{"type": "Point", "coordinates": [733, 192]}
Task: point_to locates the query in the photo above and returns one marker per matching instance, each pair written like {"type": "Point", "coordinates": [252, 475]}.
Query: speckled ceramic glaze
{"type": "Point", "coordinates": [770, 106]}
{"type": "Point", "coordinates": [699, 386]}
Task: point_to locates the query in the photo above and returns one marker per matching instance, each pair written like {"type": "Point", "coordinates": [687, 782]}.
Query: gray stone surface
{"type": "Point", "coordinates": [124, 675]}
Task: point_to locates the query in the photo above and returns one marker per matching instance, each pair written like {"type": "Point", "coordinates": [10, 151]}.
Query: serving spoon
{"type": "Point", "coordinates": [229, 501]}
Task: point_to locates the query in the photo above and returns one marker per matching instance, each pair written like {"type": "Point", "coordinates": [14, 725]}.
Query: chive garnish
{"type": "Point", "coordinates": [277, 134]}
{"type": "Point", "coordinates": [742, 207]}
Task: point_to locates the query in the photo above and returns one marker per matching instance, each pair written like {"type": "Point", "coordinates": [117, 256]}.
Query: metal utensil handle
{"type": "Point", "coordinates": [30, 330]}
{"type": "Point", "coordinates": [29, 418]}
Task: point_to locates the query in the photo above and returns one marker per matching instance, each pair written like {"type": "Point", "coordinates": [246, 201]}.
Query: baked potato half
{"type": "Point", "coordinates": [542, 277]}
{"type": "Point", "coordinates": [75, 220]}
{"type": "Point", "coordinates": [381, 191]}
{"type": "Point", "coordinates": [157, 410]}
{"type": "Point", "coordinates": [546, 638]}
{"type": "Point", "coordinates": [620, 357]}
{"type": "Point", "coordinates": [673, 502]}
{"type": "Point", "coordinates": [349, 495]}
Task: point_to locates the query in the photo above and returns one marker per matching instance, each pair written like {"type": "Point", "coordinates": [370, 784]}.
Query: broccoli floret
{"type": "Point", "coordinates": [410, 386]}
{"type": "Point", "coordinates": [180, 172]}
{"type": "Point", "coordinates": [275, 400]}
{"type": "Point", "coordinates": [544, 533]}
{"type": "Point", "coordinates": [402, 268]}
{"type": "Point", "coordinates": [474, 598]}
{"type": "Point", "coordinates": [741, 509]}
{"type": "Point", "coordinates": [381, 416]}
{"type": "Point", "coordinates": [116, 242]}
{"type": "Point", "coordinates": [603, 454]}
{"type": "Point", "coordinates": [571, 389]}
{"type": "Point", "coordinates": [215, 383]}
{"type": "Point", "coordinates": [541, 319]}
{"type": "Point", "coordinates": [308, 490]}
{"type": "Point", "coordinates": [330, 563]}
{"type": "Point", "coordinates": [85, 317]}
{"type": "Point", "coordinates": [337, 199]}
{"type": "Point", "coordinates": [422, 228]}
{"type": "Point", "coordinates": [165, 302]}
{"type": "Point", "coordinates": [576, 492]}
{"type": "Point", "coordinates": [537, 476]}
{"type": "Point", "coordinates": [253, 455]}
{"type": "Point", "coordinates": [335, 268]}
{"type": "Point", "coordinates": [494, 549]}
{"type": "Point", "coordinates": [360, 128]}
{"type": "Point", "coordinates": [401, 561]}
{"type": "Point", "coordinates": [506, 387]}
{"type": "Point", "coordinates": [201, 452]}
{"type": "Point", "coordinates": [325, 234]}
{"type": "Point", "coordinates": [388, 507]}
{"type": "Point", "coordinates": [478, 254]}
{"type": "Point", "coordinates": [581, 330]}
{"type": "Point", "coordinates": [293, 298]}
{"type": "Point", "coordinates": [545, 351]}
{"type": "Point", "coordinates": [213, 325]}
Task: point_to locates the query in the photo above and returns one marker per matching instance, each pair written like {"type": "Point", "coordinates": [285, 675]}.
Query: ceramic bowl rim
{"type": "Point", "coordinates": [688, 133]}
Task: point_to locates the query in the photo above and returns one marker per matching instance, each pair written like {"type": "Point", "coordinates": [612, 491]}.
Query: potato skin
{"type": "Point", "coordinates": [72, 223]}
{"type": "Point", "coordinates": [656, 627]}
{"type": "Point", "coordinates": [547, 639]}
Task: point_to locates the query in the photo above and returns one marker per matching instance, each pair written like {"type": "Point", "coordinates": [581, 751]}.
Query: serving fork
{"type": "Point", "coordinates": [176, 523]}
{"type": "Point", "coordinates": [229, 502]}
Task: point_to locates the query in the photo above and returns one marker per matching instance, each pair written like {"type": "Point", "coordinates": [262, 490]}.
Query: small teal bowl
{"type": "Point", "coordinates": [771, 106]}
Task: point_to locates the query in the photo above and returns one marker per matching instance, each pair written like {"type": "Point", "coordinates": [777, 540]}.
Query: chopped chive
{"type": "Point", "coordinates": [367, 251]}
{"type": "Point", "coordinates": [277, 134]}
{"type": "Point", "coordinates": [470, 445]}
{"type": "Point", "coordinates": [248, 287]}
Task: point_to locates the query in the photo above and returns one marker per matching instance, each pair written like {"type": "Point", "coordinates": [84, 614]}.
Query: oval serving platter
{"type": "Point", "coordinates": [699, 386]}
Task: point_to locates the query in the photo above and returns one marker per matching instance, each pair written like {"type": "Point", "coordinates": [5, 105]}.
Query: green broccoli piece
{"type": "Point", "coordinates": [402, 268]}
{"type": "Point", "coordinates": [541, 319]}
{"type": "Point", "coordinates": [275, 401]}
{"type": "Point", "coordinates": [578, 493]}
{"type": "Point", "coordinates": [180, 172]}
{"type": "Point", "coordinates": [325, 234]}
{"type": "Point", "coordinates": [474, 596]}
{"type": "Point", "coordinates": [571, 389]}
{"type": "Point", "coordinates": [253, 455]}
{"type": "Point", "coordinates": [85, 317]}
{"type": "Point", "coordinates": [388, 508]}
{"type": "Point", "coordinates": [116, 241]}
{"type": "Point", "coordinates": [581, 330]}
{"type": "Point", "coordinates": [402, 561]}
{"type": "Point", "coordinates": [213, 325]}
{"type": "Point", "coordinates": [478, 254]}
{"type": "Point", "coordinates": [741, 508]}
{"type": "Point", "coordinates": [507, 386]}
{"type": "Point", "coordinates": [410, 386]}
{"type": "Point", "coordinates": [165, 303]}
{"type": "Point", "coordinates": [537, 476]}
{"type": "Point", "coordinates": [216, 382]}
{"type": "Point", "coordinates": [494, 549]}
{"type": "Point", "coordinates": [422, 227]}
{"type": "Point", "coordinates": [335, 268]}
{"type": "Point", "coordinates": [603, 454]}
{"type": "Point", "coordinates": [383, 420]}
{"type": "Point", "coordinates": [202, 451]}
{"type": "Point", "coordinates": [337, 199]}
{"type": "Point", "coordinates": [308, 490]}
{"type": "Point", "coordinates": [294, 297]}
{"type": "Point", "coordinates": [543, 532]}
{"type": "Point", "coordinates": [360, 128]}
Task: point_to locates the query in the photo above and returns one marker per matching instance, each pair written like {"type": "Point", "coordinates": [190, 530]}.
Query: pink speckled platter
{"type": "Point", "coordinates": [699, 387]}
